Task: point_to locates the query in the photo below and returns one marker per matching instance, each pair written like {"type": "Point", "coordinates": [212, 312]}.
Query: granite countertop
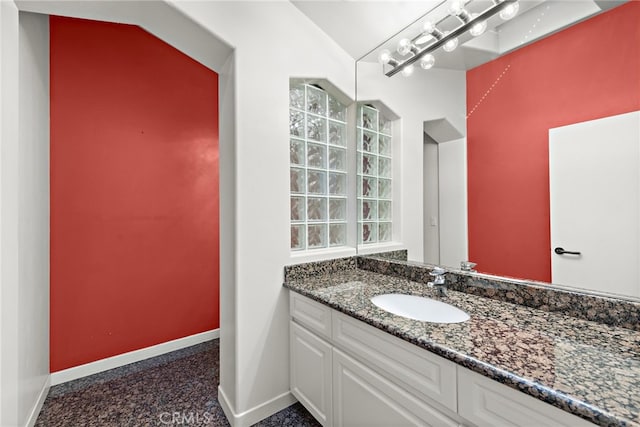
{"type": "Point", "coordinates": [589, 369]}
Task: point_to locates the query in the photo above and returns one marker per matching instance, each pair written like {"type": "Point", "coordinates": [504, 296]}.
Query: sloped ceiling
{"type": "Point", "coordinates": [359, 26]}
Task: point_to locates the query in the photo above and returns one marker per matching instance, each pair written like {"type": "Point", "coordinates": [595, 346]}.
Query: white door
{"type": "Point", "coordinates": [594, 174]}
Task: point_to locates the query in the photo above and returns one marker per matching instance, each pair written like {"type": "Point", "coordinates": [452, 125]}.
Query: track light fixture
{"type": "Point", "coordinates": [421, 47]}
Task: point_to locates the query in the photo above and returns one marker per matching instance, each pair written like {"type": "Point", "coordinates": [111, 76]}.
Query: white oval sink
{"type": "Point", "coordinates": [420, 308]}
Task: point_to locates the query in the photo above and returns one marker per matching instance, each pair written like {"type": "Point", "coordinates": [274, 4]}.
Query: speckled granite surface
{"type": "Point", "coordinates": [589, 369]}
{"type": "Point", "coordinates": [609, 310]}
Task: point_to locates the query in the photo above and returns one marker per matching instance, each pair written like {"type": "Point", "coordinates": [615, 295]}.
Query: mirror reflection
{"type": "Point", "coordinates": [521, 145]}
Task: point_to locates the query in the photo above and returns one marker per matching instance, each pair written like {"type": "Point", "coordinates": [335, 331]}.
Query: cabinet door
{"type": "Point", "coordinates": [310, 376]}
{"type": "Point", "coordinates": [486, 402]}
{"type": "Point", "coordinates": [416, 370]}
{"type": "Point", "coordinates": [362, 397]}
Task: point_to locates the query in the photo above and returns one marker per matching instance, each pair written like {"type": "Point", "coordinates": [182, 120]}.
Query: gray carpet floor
{"type": "Point", "coordinates": [178, 388]}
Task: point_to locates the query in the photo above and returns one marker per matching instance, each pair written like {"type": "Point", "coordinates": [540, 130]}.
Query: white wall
{"type": "Point", "coordinates": [431, 202]}
{"type": "Point", "coordinates": [422, 97]}
{"type": "Point", "coordinates": [273, 42]}
{"type": "Point", "coordinates": [33, 225]}
{"type": "Point", "coordinates": [24, 192]}
{"type": "Point", "coordinates": [453, 202]}
{"type": "Point", "coordinates": [9, 281]}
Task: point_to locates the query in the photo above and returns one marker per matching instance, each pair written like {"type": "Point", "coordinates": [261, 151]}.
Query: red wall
{"type": "Point", "coordinates": [134, 192]}
{"type": "Point", "coordinates": [589, 71]}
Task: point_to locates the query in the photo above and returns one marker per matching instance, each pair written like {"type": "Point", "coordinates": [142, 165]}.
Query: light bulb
{"type": "Point", "coordinates": [478, 28]}
{"type": "Point", "coordinates": [456, 7]}
{"type": "Point", "coordinates": [509, 11]}
{"type": "Point", "coordinates": [404, 46]}
{"type": "Point", "coordinates": [427, 61]}
{"type": "Point", "coordinates": [451, 45]}
{"type": "Point", "coordinates": [407, 71]}
{"type": "Point", "coordinates": [429, 27]}
{"type": "Point", "coordinates": [385, 56]}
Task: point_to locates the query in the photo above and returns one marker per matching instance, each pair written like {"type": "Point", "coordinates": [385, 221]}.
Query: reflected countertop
{"type": "Point", "coordinates": [589, 369]}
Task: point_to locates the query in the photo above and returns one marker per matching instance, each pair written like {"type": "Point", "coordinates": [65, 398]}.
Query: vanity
{"type": "Point", "coordinates": [353, 363]}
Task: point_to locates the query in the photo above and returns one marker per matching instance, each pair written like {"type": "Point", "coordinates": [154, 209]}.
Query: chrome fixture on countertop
{"type": "Point", "coordinates": [438, 281]}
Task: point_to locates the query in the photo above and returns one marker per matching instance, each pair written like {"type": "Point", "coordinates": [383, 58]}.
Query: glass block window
{"type": "Point", "coordinates": [318, 168]}
{"type": "Point", "coordinates": [374, 176]}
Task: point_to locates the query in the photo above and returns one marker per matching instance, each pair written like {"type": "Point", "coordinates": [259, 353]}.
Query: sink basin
{"type": "Point", "coordinates": [420, 308]}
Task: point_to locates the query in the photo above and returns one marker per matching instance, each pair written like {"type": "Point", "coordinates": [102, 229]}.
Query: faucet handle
{"type": "Point", "coordinates": [467, 266]}
{"type": "Point", "coordinates": [437, 271]}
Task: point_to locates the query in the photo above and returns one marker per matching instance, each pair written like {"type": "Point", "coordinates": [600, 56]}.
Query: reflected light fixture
{"type": "Point", "coordinates": [427, 61]}
{"type": "Point", "coordinates": [451, 44]}
{"type": "Point", "coordinates": [510, 11]}
{"type": "Point", "coordinates": [420, 48]}
{"type": "Point", "coordinates": [407, 70]}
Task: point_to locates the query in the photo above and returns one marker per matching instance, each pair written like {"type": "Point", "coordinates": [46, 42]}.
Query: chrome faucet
{"type": "Point", "coordinates": [438, 281]}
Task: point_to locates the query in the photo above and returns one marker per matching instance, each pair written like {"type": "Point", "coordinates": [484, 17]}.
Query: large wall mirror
{"type": "Point", "coordinates": [519, 148]}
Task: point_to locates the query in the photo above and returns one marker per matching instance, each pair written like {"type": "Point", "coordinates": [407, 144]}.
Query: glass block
{"type": "Point", "coordinates": [384, 210]}
{"type": "Point", "coordinates": [368, 118]}
{"type": "Point", "coordinates": [316, 182]}
{"type": "Point", "coordinates": [337, 234]}
{"type": "Point", "coordinates": [337, 159]}
{"type": "Point", "coordinates": [384, 188]}
{"type": "Point", "coordinates": [336, 109]}
{"type": "Point", "coordinates": [316, 101]}
{"type": "Point", "coordinates": [338, 184]}
{"type": "Point", "coordinates": [317, 155]}
{"type": "Point", "coordinates": [317, 128]}
{"type": "Point", "coordinates": [384, 232]}
{"type": "Point", "coordinates": [297, 209]}
{"type": "Point", "coordinates": [296, 97]}
{"type": "Point", "coordinates": [384, 167]}
{"type": "Point", "coordinates": [368, 210]}
{"type": "Point", "coordinates": [368, 164]}
{"type": "Point", "coordinates": [296, 123]}
{"type": "Point", "coordinates": [296, 152]}
{"type": "Point", "coordinates": [384, 125]}
{"type": "Point", "coordinates": [317, 236]}
{"type": "Point", "coordinates": [317, 209]}
{"type": "Point", "coordinates": [297, 180]}
{"type": "Point", "coordinates": [368, 141]}
{"type": "Point", "coordinates": [337, 133]}
{"type": "Point", "coordinates": [337, 209]}
{"type": "Point", "coordinates": [297, 237]}
{"type": "Point", "coordinates": [384, 145]}
{"type": "Point", "coordinates": [367, 186]}
{"type": "Point", "coordinates": [368, 232]}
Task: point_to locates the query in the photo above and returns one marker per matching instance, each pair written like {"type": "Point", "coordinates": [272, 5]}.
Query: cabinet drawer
{"type": "Point", "coordinates": [486, 402]}
{"type": "Point", "coordinates": [314, 316]}
{"type": "Point", "coordinates": [362, 397]}
{"type": "Point", "coordinates": [422, 373]}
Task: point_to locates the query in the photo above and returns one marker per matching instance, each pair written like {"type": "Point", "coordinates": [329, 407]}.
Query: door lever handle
{"type": "Point", "coordinates": [561, 251]}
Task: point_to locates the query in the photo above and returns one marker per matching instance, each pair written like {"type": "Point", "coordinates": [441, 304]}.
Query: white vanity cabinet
{"type": "Point", "coordinates": [348, 373]}
{"type": "Point", "coordinates": [486, 402]}
{"type": "Point", "coordinates": [363, 397]}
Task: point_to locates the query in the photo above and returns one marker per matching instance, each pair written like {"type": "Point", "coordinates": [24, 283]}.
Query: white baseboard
{"type": "Point", "coordinates": [257, 413]}
{"type": "Point", "coordinates": [33, 415]}
{"type": "Point", "coordinates": [131, 357]}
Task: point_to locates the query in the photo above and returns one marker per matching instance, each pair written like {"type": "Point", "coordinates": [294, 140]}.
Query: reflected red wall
{"type": "Point", "coordinates": [134, 192]}
{"type": "Point", "coordinates": [589, 71]}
